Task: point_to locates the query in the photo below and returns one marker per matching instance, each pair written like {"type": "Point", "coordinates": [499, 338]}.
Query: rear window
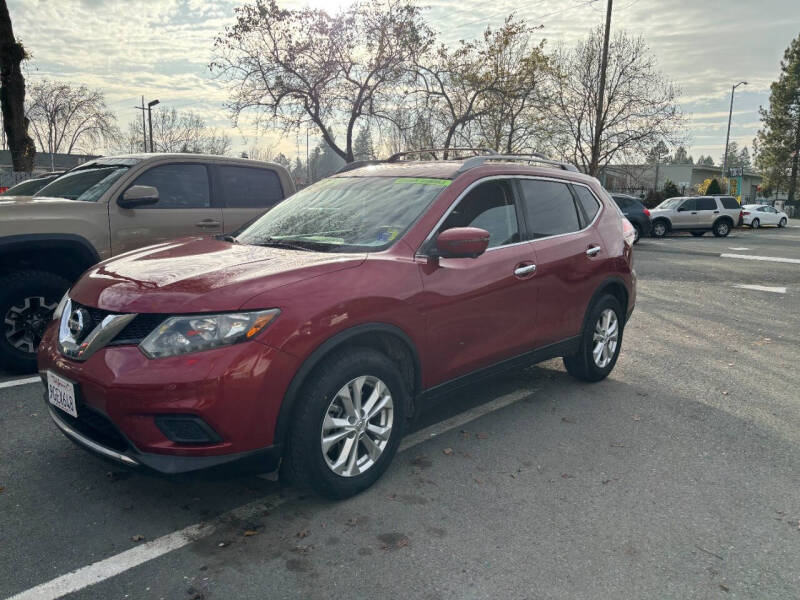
{"type": "Point", "coordinates": [589, 203]}
{"type": "Point", "coordinates": [706, 204]}
{"type": "Point", "coordinates": [729, 202]}
{"type": "Point", "coordinates": [247, 187]}
{"type": "Point", "coordinates": [549, 208]}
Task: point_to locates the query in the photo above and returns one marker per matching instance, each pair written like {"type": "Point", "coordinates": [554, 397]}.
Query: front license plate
{"type": "Point", "coordinates": [61, 394]}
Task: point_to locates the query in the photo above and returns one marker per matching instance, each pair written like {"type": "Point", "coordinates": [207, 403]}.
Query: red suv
{"type": "Point", "coordinates": [308, 339]}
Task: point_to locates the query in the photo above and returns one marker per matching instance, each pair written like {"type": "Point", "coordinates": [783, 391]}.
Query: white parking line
{"type": "Point", "coordinates": [762, 288]}
{"type": "Point", "coordinates": [119, 563]}
{"type": "Point", "coordinates": [732, 248]}
{"type": "Point", "coordinates": [779, 259]}
{"type": "Point", "coordinates": [16, 382]}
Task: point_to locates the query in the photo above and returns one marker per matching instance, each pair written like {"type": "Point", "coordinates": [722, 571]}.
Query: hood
{"type": "Point", "coordinates": [199, 275]}
{"type": "Point", "coordinates": [28, 200]}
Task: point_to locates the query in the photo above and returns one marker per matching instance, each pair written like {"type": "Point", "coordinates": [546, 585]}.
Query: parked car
{"type": "Point", "coordinates": [30, 186]}
{"type": "Point", "coordinates": [635, 212]}
{"type": "Point", "coordinates": [107, 207]}
{"type": "Point", "coordinates": [311, 336]}
{"type": "Point", "coordinates": [756, 215]}
{"type": "Point", "coordinates": [697, 214]}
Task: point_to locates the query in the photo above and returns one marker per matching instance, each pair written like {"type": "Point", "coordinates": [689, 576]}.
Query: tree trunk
{"type": "Point", "coordinates": [795, 159]}
{"type": "Point", "coordinates": [12, 96]}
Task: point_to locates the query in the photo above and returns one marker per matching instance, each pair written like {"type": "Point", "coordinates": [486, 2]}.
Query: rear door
{"type": "Point", "coordinates": [183, 208]}
{"type": "Point", "coordinates": [707, 212]}
{"type": "Point", "coordinates": [567, 252]}
{"type": "Point", "coordinates": [245, 193]}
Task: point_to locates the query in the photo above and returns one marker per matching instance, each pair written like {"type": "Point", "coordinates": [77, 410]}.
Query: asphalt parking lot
{"type": "Point", "coordinates": [677, 477]}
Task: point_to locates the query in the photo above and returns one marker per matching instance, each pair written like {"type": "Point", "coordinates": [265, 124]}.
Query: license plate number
{"type": "Point", "coordinates": [61, 394]}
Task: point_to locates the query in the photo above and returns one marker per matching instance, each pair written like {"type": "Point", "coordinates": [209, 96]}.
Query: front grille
{"type": "Point", "coordinates": [96, 426]}
{"type": "Point", "coordinates": [133, 333]}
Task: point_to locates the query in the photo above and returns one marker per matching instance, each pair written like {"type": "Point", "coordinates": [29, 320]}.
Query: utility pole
{"type": "Point", "coordinates": [144, 126]}
{"type": "Point", "coordinates": [598, 129]}
{"type": "Point", "coordinates": [728, 136]}
{"type": "Point", "coordinates": [308, 166]}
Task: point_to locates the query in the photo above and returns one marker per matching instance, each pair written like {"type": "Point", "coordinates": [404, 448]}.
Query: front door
{"type": "Point", "coordinates": [481, 310]}
{"type": "Point", "coordinates": [685, 216]}
{"type": "Point", "coordinates": [184, 208]}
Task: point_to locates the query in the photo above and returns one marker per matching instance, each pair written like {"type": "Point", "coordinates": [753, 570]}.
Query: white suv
{"type": "Point", "coordinates": [698, 214]}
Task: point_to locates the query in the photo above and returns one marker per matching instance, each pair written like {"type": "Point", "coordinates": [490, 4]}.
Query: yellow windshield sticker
{"type": "Point", "coordinates": [423, 181]}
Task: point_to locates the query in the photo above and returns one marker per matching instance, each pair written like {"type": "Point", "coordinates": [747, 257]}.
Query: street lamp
{"type": "Point", "coordinates": [150, 105]}
{"type": "Point", "coordinates": [728, 136]}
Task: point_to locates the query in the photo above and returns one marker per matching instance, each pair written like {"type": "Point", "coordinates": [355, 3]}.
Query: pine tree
{"type": "Point", "coordinates": [713, 188]}
{"type": "Point", "coordinates": [363, 148]}
{"type": "Point", "coordinates": [779, 138]}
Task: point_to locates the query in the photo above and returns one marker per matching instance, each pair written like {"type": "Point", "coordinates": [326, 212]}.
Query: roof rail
{"type": "Point", "coordinates": [398, 155]}
{"type": "Point", "coordinates": [534, 157]}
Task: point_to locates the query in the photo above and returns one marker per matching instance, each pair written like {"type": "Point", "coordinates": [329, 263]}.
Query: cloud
{"type": "Point", "coordinates": [161, 48]}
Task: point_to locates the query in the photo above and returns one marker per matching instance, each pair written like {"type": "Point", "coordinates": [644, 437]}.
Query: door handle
{"type": "Point", "coordinates": [208, 223]}
{"type": "Point", "coordinates": [716, 212]}
{"type": "Point", "coordinates": [593, 250]}
{"type": "Point", "coordinates": [524, 270]}
{"type": "Point", "coordinates": [694, 212]}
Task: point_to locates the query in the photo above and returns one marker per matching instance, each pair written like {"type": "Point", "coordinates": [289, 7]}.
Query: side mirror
{"type": "Point", "coordinates": [681, 209]}
{"type": "Point", "coordinates": [138, 195]}
{"type": "Point", "coordinates": [462, 242]}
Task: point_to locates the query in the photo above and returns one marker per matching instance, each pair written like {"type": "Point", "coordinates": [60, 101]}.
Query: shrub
{"type": "Point", "coordinates": [713, 188]}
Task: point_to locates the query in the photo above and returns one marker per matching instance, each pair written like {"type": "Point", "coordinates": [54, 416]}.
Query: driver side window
{"type": "Point", "coordinates": [690, 204]}
{"type": "Point", "coordinates": [490, 206]}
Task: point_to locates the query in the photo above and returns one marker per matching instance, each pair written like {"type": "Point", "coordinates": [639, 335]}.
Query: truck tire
{"type": "Point", "coordinates": [27, 302]}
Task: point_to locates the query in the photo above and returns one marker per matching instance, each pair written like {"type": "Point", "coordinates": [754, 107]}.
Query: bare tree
{"type": "Point", "coordinates": [12, 95]}
{"type": "Point", "coordinates": [305, 67]}
{"type": "Point", "coordinates": [175, 131]}
{"type": "Point", "coordinates": [640, 107]}
{"type": "Point", "coordinates": [65, 118]}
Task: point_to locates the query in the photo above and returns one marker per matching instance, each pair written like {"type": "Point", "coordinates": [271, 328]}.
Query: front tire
{"type": "Point", "coordinates": [27, 302]}
{"type": "Point", "coordinates": [348, 425]}
{"type": "Point", "coordinates": [638, 230]}
{"type": "Point", "coordinates": [722, 228]}
{"type": "Point", "coordinates": [601, 341]}
{"type": "Point", "coordinates": [755, 224]}
{"type": "Point", "coordinates": [782, 223]}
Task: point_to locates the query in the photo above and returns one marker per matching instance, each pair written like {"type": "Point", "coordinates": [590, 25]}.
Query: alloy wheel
{"type": "Point", "coordinates": [605, 338]}
{"type": "Point", "coordinates": [26, 321]}
{"type": "Point", "coordinates": [357, 426]}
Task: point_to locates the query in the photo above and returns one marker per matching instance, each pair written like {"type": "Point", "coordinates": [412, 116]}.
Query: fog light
{"type": "Point", "coordinates": [186, 429]}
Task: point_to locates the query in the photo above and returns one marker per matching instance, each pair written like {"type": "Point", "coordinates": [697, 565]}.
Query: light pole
{"type": "Point", "coordinates": [728, 136]}
{"type": "Point", "coordinates": [150, 105]}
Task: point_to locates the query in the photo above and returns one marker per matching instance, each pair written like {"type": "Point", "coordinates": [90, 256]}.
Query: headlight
{"type": "Point", "coordinates": [181, 335]}
{"type": "Point", "coordinates": [60, 308]}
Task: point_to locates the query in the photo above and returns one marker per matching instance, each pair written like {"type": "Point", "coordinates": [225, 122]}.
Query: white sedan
{"type": "Point", "coordinates": [756, 215]}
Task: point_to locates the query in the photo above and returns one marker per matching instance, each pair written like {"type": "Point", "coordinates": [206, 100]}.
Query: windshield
{"type": "Point", "coordinates": [346, 214]}
{"type": "Point", "coordinates": [28, 188]}
{"type": "Point", "coordinates": [671, 203]}
{"type": "Point", "coordinates": [86, 184]}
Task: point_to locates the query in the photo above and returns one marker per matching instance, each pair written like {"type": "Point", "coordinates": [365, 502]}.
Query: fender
{"type": "Point", "coordinates": [46, 240]}
{"type": "Point", "coordinates": [290, 398]}
{"type": "Point", "coordinates": [601, 289]}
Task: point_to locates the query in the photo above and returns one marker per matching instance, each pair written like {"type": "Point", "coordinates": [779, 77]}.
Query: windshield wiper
{"type": "Point", "coordinates": [229, 238]}
{"type": "Point", "coordinates": [279, 243]}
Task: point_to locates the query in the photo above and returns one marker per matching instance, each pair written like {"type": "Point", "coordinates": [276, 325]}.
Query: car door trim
{"type": "Point", "coordinates": [429, 238]}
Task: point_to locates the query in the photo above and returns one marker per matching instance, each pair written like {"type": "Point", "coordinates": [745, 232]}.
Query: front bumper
{"type": "Point", "coordinates": [256, 461]}
{"type": "Point", "coordinates": [237, 391]}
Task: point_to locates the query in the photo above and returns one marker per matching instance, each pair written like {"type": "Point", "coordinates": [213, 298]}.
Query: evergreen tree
{"type": "Point", "coordinates": [713, 188]}
{"type": "Point", "coordinates": [363, 148]}
{"type": "Point", "coordinates": [779, 138]}
{"type": "Point", "coordinates": [670, 189]}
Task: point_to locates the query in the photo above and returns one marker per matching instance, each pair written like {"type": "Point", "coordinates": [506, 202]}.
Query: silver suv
{"type": "Point", "coordinates": [698, 214]}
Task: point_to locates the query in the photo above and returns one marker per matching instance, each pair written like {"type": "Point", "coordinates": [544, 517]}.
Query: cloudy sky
{"type": "Point", "coordinates": [161, 48]}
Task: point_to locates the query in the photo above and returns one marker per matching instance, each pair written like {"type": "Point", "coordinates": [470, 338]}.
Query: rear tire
{"type": "Point", "coordinates": [698, 233]}
{"type": "Point", "coordinates": [755, 224]}
{"type": "Point", "coordinates": [600, 343]}
{"type": "Point", "coordinates": [782, 222]}
{"type": "Point", "coordinates": [27, 302]}
{"type": "Point", "coordinates": [660, 228]}
{"type": "Point", "coordinates": [722, 228]}
{"type": "Point", "coordinates": [312, 458]}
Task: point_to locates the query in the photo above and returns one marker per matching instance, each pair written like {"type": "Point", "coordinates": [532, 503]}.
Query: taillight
{"type": "Point", "coordinates": [743, 213]}
{"type": "Point", "coordinates": [628, 232]}
{"type": "Point", "coordinates": [647, 212]}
